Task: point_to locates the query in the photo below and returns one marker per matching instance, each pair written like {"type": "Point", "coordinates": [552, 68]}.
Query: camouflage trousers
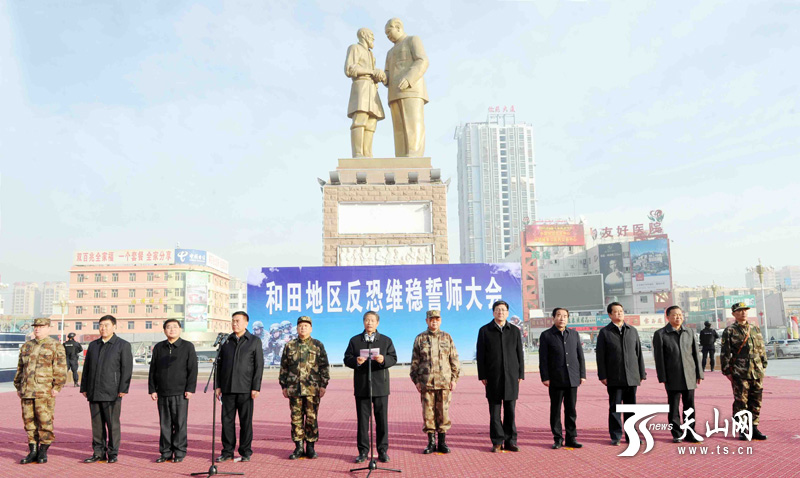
{"type": "Point", "coordinates": [435, 410]}
{"type": "Point", "coordinates": [747, 396]}
{"type": "Point", "coordinates": [304, 407]}
{"type": "Point", "coordinates": [37, 417]}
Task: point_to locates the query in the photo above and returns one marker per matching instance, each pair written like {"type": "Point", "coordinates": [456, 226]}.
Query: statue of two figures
{"type": "Point", "coordinates": [403, 72]}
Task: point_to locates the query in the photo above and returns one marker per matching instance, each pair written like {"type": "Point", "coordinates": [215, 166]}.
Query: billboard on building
{"type": "Point", "coordinates": [611, 268]}
{"type": "Point", "coordinates": [190, 257]}
{"type": "Point", "coordinates": [215, 262]}
{"type": "Point", "coordinates": [650, 266]}
{"type": "Point", "coordinates": [131, 257]}
{"type": "Point", "coordinates": [196, 300]}
{"type": "Point", "coordinates": [337, 297]}
{"type": "Point", "coordinates": [554, 235]}
{"type": "Point", "coordinates": [575, 293]}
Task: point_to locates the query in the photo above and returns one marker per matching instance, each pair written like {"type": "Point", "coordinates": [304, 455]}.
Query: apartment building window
{"type": "Point", "coordinates": [131, 309]}
{"type": "Point", "coordinates": [79, 309]}
{"type": "Point", "coordinates": [131, 293]}
{"type": "Point", "coordinates": [166, 276]}
{"type": "Point", "coordinates": [95, 325]}
{"type": "Point", "coordinates": [150, 277]}
{"type": "Point", "coordinates": [149, 292]}
{"type": "Point", "coordinates": [115, 277]}
{"type": "Point", "coordinates": [78, 325]}
{"type": "Point", "coordinates": [131, 325]}
{"type": "Point", "coordinates": [643, 299]}
{"type": "Point", "coordinates": [148, 309]}
{"type": "Point", "coordinates": [178, 292]}
{"type": "Point", "coordinates": [98, 278]}
{"type": "Point", "coordinates": [97, 293]}
{"type": "Point", "coordinates": [148, 325]}
{"type": "Point", "coordinates": [96, 309]}
{"type": "Point", "coordinates": [132, 276]}
{"type": "Point", "coordinates": [166, 308]}
{"type": "Point", "coordinates": [80, 294]}
{"type": "Point", "coordinates": [114, 293]}
{"type": "Point", "coordinates": [113, 309]}
{"type": "Point", "coordinates": [81, 277]}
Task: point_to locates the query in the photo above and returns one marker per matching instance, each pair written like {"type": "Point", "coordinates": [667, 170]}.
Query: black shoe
{"type": "Point", "coordinates": [310, 452]}
{"type": "Point", "coordinates": [362, 457]}
{"type": "Point", "coordinates": [497, 448]}
{"type": "Point", "coordinates": [614, 442]}
{"type": "Point", "coordinates": [41, 456]}
{"type": "Point", "coordinates": [222, 458]}
{"type": "Point", "coordinates": [77, 384]}
{"type": "Point", "coordinates": [31, 456]}
{"type": "Point", "coordinates": [431, 445]}
{"type": "Point", "coordinates": [94, 459]}
{"type": "Point", "coordinates": [162, 459]}
{"type": "Point", "coordinates": [557, 445]}
{"type": "Point", "coordinates": [177, 459]}
{"type": "Point", "coordinates": [245, 458]}
{"type": "Point", "coordinates": [112, 459]}
{"type": "Point", "coordinates": [510, 447]}
{"type": "Point", "coordinates": [383, 457]}
{"type": "Point", "coordinates": [677, 440]}
{"type": "Point", "coordinates": [572, 444]}
{"type": "Point", "coordinates": [443, 448]}
{"type": "Point", "coordinates": [757, 435]}
{"type": "Point", "coordinates": [298, 450]}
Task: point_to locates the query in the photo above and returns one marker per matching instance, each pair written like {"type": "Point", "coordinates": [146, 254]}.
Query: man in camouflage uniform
{"type": "Point", "coordinates": [434, 370]}
{"type": "Point", "coordinates": [41, 373]}
{"type": "Point", "coordinates": [743, 360]}
{"type": "Point", "coordinates": [304, 376]}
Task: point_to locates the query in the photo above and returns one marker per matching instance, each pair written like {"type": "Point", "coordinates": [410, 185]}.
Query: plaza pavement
{"type": "Point", "coordinates": [471, 457]}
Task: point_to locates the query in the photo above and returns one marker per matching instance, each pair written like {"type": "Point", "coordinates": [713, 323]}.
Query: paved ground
{"type": "Point", "coordinates": [469, 436]}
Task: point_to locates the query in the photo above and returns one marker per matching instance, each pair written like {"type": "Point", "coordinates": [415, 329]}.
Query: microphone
{"type": "Point", "coordinates": [222, 337]}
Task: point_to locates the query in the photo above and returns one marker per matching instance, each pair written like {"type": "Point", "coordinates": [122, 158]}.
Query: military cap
{"type": "Point", "coordinates": [41, 321]}
{"type": "Point", "coordinates": [304, 318]}
{"type": "Point", "coordinates": [433, 313]}
{"type": "Point", "coordinates": [739, 306]}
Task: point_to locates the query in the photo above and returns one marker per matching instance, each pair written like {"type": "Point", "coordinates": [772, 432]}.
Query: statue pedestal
{"type": "Point", "coordinates": [384, 211]}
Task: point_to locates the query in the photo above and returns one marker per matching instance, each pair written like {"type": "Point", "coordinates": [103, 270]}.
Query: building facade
{"type": "Point", "coordinates": [496, 186]}
{"type": "Point", "coordinates": [238, 295]}
{"type": "Point", "coordinates": [143, 288]}
{"type": "Point", "coordinates": [53, 292]}
{"type": "Point", "coordinates": [26, 300]}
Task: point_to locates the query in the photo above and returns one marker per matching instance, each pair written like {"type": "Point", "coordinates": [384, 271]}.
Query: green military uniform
{"type": "Point", "coordinates": [42, 369]}
{"type": "Point", "coordinates": [304, 371]}
{"type": "Point", "coordinates": [434, 366]}
{"type": "Point", "coordinates": [746, 368]}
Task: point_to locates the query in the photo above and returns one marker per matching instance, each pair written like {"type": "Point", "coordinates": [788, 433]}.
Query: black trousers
{"type": "Point", "coordinates": [616, 396]}
{"type": "Point", "coordinates": [233, 404]}
{"type": "Point", "coordinates": [674, 397]}
{"type": "Point", "coordinates": [72, 364]}
{"type": "Point", "coordinates": [172, 415]}
{"type": "Point", "coordinates": [505, 430]}
{"type": "Point", "coordinates": [105, 427]}
{"type": "Point", "coordinates": [706, 352]}
{"type": "Point", "coordinates": [380, 405]}
{"type": "Point", "coordinates": [568, 396]}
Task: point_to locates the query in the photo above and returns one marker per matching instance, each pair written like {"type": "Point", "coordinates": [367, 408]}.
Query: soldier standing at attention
{"type": "Point", "coordinates": [41, 373]}
{"type": "Point", "coordinates": [73, 350]}
{"type": "Point", "coordinates": [434, 371]}
{"type": "Point", "coordinates": [743, 359]}
{"type": "Point", "coordinates": [304, 376]}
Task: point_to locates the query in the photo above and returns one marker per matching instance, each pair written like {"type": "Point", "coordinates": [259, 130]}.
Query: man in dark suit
{"type": "Point", "coordinates": [241, 365]}
{"type": "Point", "coordinates": [678, 367]}
{"type": "Point", "coordinates": [172, 382]}
{"type": "Point", "coordinates": [106, 379]}
{"type": "Point", "coordinates": [563, 370]}
{"type": "Point", "coordinates": [620, 366]}
{"type": "Point", "coordinates": [501, 368]}
{"type": "Point", "coordinates": [361, 356]}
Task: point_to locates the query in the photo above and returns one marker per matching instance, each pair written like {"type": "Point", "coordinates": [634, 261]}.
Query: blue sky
{"type": "Point", "coordinates": [143, 124]}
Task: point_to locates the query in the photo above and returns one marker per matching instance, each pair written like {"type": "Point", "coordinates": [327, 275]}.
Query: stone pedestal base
{"type": "Point", "coordinates": [376, 213]}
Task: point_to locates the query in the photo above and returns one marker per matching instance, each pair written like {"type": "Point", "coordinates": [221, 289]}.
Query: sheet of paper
{"type": "Point", "coordinates": [365, 353]}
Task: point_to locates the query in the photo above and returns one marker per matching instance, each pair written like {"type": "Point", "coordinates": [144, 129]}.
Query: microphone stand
{"type": "Point", "coordinates": [212, 471]}
{"type": "Point", "coordinates": [372, 464]}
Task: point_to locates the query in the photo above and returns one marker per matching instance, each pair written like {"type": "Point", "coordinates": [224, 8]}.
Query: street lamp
{"type": "Point", "coordinates": [63, 304]}
{"type": "Point", "coordinates": [760, 271]}
{"type": "Point", "coordinates": [714, 288]}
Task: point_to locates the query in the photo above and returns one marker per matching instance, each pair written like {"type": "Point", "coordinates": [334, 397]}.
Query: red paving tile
{"type": "Point", "coordinates": [469, 437]}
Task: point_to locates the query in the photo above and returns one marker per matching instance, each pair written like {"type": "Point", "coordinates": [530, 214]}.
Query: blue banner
{"type": "Point", "coordinates": [336, 298]}
{"type": "Point", "coordinates": [190, 256]}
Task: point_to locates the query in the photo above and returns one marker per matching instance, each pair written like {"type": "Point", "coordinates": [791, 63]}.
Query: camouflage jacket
{"type": "Point", "coordinates": [42, 367]}
{"type": "Point", "coordinates": [434, 361]}
{"type": "Point", "coordinates": [304, 367]}
{"type": "Point", "coordinates": [752, 361]}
